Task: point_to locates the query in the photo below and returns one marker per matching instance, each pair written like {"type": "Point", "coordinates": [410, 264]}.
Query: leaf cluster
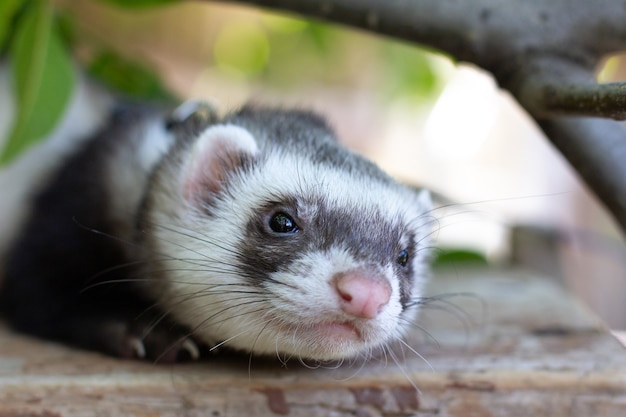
{"type": "Point", "coordinates": [34, 40]}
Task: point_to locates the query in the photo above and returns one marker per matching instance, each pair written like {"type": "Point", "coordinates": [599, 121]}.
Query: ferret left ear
{"type": "Point", "coordinates": [219, 151]}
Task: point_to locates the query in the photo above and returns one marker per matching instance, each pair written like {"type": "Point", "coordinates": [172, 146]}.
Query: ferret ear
{"type": "Point", "coordinates": [217, 153]}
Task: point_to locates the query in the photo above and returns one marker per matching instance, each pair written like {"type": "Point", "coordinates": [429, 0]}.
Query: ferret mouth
{"type": "Point", "coordinates": [340, 332]}
{"type": "Point", "coordinates": [345, 331]}
{"type": "Point", "coordinates": [327, 340]}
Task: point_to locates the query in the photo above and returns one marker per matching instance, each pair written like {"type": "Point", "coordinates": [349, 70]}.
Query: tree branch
{"type": "Point", "coordinates": [593, 100]}
{"type": "Point", "coordinates": [543, 52]}
{"type": "Point", "coordinates": [485, 32]}
{"type": "Point", "coordinates": [596, 148]}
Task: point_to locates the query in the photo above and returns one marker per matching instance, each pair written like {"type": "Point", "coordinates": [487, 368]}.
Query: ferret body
{"type": "Point", "coordinates": [256, 231]}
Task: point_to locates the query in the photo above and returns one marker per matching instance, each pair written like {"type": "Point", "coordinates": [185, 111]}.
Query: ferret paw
{"type": "Point", "coordinates": [161, 344]}
{"type": "Point", "coordinates": [167, 347]}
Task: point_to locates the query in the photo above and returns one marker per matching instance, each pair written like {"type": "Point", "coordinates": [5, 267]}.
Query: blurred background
{"type": "Point", "coordinates": [511, 198]}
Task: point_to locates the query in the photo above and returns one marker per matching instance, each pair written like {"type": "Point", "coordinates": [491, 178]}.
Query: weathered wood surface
{"type": "Point", "coordinates": [536, 352]}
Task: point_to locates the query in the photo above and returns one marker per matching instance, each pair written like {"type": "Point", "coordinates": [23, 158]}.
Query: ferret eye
{"type": "Point", "coordinates": [282, 223]}
{"type": "Point", "coordinates": [403, 258]}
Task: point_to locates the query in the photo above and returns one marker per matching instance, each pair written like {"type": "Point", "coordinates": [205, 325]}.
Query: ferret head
{"type": "Point", "coordinates": [280, 241]}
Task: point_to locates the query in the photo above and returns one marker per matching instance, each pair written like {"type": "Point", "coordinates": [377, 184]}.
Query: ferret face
{"type": "Point", "coordinates": [274, 253]}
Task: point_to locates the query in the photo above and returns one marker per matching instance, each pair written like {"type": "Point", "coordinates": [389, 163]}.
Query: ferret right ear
{"type": "Point", "coordinates": [219, 151]}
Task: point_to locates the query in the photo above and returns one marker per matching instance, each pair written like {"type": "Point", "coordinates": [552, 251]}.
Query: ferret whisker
{"type": "Point", "coordinates": [112, 282]}
{"type": "Point", "coordinates": [139, 279]}
{"type": "Point", "coordinates": [429, 236]}
{"type": "Point", "coordinates": [424, 221]}
{"type": "Point", "coordinates": [204, 256]}
{"type": "Point", "coordinates": [443, 296]}
{"type": "Point", "coordinates": [202, 293]}
{"type": "Point", "coordinates": [379, 353]}
{"type": "Point", "coordinates": [384, 355]}
{"type": "Point", "coordinates": [165, 258]}
{"type": "Point", "coordinates": [194, 331]}
{"type": "Point", "coordinates": [463, 317]}
{"type": "Point", "coordinates": [294, 336]}
{"type": "Point", "coordinates": [415, 352]}
{"type": "Point", "coordinates": [249, 298]}
{"type": "Point", "coordinates": [445, 305]}
{"type": "Point", "coordinates": [256, 340]}
{"type": "Point", "coordinates": [414, 325]}
{"type": "Point", "coordinates": [333, 365]}
{"type": "Point", "coordinates": [200, 268]}
{"type": "Point", "coordinates": [107, 235]}
{"type": "Point", "coordinates": [208, 320]}
{"type": "Point", "coordinates": [126, 242]}
{"type": "Point", "coordinates": [365, 356]}
{"type": "Point", "coordinates": [362, 362]}
{"type": "Point", "coordinates": [497, 200]}
{"type": "Point", "coordinates": [284, 360]}
{"type": "Point", "coordinates": [243, 300]}
{"type": "Point", "coordinates": [449, 306]}
{"type": "Point", "coordinates": [303, 362]}
{"type": "Point", "coordinates": [122, 266]}
{"type": "Point", "coordinates": [201, 238]}
{"type": "Point", "coordinates": [155, 322]}
{"type": "Point", "coordinates": [209, 291]}
{"type": "Point", "coordinates": [203, 263]}
{"type": "Point", "coordinates": [184, 298]}
{"type": "Point", "coordinates": [224, 342]}
{"type": "Point", "coordinates": [402, 369]}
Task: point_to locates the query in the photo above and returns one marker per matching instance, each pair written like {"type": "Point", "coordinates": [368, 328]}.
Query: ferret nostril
{"type": "Point", "coordinates": [361, 294]}
{"type": "Point", "coordinates": [346, 297]}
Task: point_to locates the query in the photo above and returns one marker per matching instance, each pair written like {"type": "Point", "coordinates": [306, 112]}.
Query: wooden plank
{"type": "Point", "coordinates": [519, 346]}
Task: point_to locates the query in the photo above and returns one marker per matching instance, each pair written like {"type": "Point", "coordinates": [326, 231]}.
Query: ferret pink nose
{"type": "Point", "coordinates": [362, 295]}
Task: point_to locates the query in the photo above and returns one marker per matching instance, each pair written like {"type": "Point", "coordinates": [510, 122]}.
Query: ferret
{"type": "Point", "coordinates": [168, 231]}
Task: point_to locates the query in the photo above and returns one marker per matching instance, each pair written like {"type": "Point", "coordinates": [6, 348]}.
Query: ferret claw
{"type": "Point", "coordinates": [191, 348]}
{"type": "Point", "coordinates": [138, 347]}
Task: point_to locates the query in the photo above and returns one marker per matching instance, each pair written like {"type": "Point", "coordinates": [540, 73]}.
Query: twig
{"type": "Point", "coordinates": [592, 100]}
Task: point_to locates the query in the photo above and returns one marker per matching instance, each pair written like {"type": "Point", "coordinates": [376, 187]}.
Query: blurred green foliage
{"type": "Point", "coordinates": [243, 48]}
{"type": "Point", "coordinates": [43, 77]}
{"type": "Point", "coordinates": [141, 3]}
{"type": "Point", "coordinates": [38, 38]}
{"type": "Point", "coordinates": [8, 10]}
{"type": "Point", "coordinates": [411, 72]}
{"type": "Point", "coordinates": [458, 256]}
{"type": "Point", "coordinates": [134, 80]}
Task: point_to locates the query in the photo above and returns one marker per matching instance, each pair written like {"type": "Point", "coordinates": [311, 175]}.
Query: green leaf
{"type": "Point", "coordinates": [140, 3]}
{"type": "Point", "coordinates": [455, 257]}
{"type": "Point", "coordinates": [128, 77]}
{"type": "Point", "coordinates": [43, 78]}
{"type": "Point", "coordinates": [8, 9]}
{"type": "Point", "coordinates": [410, 71]}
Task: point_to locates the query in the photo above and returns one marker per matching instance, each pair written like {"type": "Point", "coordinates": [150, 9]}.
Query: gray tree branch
{"type": "Point", "coordinates": [544, 52]}
{"type": "Point", "coordinates": [596, 148]}
{"type": "Point", "coordinates": [562, 99]}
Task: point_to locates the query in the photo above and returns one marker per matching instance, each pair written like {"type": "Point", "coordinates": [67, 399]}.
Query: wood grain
{"type": "Point", "coordinates": [508, 344]}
